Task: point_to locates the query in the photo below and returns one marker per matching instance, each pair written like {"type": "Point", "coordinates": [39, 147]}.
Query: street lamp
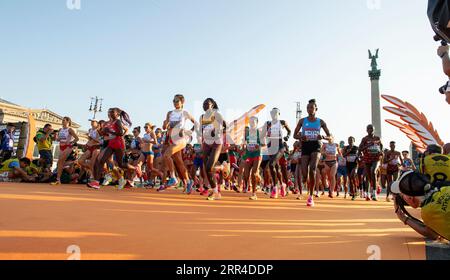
{"type": "Point", "coordinates": [96, 105]}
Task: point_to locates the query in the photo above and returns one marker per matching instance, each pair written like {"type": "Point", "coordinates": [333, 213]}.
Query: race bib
{"type": "Point", "coordinates": [252, 147]}
{"type": "Point", "coordinates": [311, 135]}
{"type": "Point", "coordinates": [351, 158]}
{"type": "Point", "coordinates": [208, 131]}
{"type": "Point", "coordinates": [11, 143]}
{"type": "Point", "coordinates": [374, 149]}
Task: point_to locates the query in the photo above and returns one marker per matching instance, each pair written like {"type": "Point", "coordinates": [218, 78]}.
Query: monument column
{"type": "Point", "coordinates": [374, 75]}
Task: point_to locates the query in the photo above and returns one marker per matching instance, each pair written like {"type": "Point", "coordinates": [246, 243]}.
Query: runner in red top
{"type": "Point", "coordinates": [372, 150]}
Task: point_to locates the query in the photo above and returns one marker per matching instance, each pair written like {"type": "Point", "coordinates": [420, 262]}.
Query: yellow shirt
{"type": "Point", "coordinates": [436, 167]}
{"type": "Point", "coordinates": [9, 165]}
{"type": "Point", "coordinates": [46, 145]}
{"type": "Point", "coordinates": [436, 212]}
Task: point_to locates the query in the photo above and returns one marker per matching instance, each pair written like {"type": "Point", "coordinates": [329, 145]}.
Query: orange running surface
{"type": "Point", "coordinates": [41, 222]}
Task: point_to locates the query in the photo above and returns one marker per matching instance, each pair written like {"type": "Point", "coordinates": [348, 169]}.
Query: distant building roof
{"type": "Point", "coordinates": [7, 102]}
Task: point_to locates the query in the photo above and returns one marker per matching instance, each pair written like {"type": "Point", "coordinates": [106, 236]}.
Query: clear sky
{"type": "Point", "coordinates": [137, 54]}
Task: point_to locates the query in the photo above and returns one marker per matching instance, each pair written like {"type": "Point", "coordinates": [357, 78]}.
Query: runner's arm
{"type": "Point", "coordinates": [297, 130]}
{"type": "Point", "coordinates": [327, 131]}
{"type": "Point", "coordinates": [166, 122]}
{"type": "Point", "coordinates": [286, 126]}
{"type": "Point", "coordinates": [74, 135]}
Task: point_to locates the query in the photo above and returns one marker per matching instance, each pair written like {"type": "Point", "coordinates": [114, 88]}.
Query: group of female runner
{"type": "Point", "coordinates": [116, 154]}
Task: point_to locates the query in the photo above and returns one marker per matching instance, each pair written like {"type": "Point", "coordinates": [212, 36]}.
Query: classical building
{"type": "Point", "coordinates": [18, 115]}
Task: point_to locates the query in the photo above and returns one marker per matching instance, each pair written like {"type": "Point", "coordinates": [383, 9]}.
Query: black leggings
{"type": "Point", "coordinates": [274, 166]}
{"type": "Point", "coordinates": [211, 154]}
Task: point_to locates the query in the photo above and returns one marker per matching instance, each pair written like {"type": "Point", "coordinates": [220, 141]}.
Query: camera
{"type": "Point", "coordinates": [443, 89]}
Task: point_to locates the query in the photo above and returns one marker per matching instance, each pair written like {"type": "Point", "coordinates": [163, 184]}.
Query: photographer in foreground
{"type": "Point", "coordinates": [416, 190]}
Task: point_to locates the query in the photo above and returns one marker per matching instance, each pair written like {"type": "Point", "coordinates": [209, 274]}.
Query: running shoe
{"type": "Point", "coordinates": [283, 192]}
{"type": "Point", "coordinates": [56, 183]}
{"type": "Point", "coordinates": [388, 199]}
{"type": "Point", "coordinates": [162, 188]}
{"type": "Point", "coordinates": [189, 187]}
{"type": "Point", "coordinates": [204, 192]}
{"type": "Point", "coordinates": [300, 197]}
{"type": "Point", "coordinates": [330, 195]}
{"type": "Point", "coordinates": [253, 197]}
{"type": "Point", "coordinates": [172, 182]}
{"type": "Point", "coordinates": [236, 189]}
{"type": "Point", "coordinates": [378, 190]}
{"type": "Point", "coordinates": [310, 202]}
{"type": "Point", "coordinates": [337, 194]}
{"type": "Point", "coordinates": [122, 183]}
{"type": "Point", "coordinates": [353, 198]}
{"type": "Point", "coordinates": [129, 185]}
{"type": "Point", "coordinates": [374, 197]}
{"type": "Point", "coordinates": [295, 192]}
{"type": "Point", "coordinates": [214, 196]}
{"type": "Point", "coordinates": [94, 185]}
{"type": "Point", "coordinates": [107, 180]}
{"type": "Point", "coordinates": [367, 198]}
{"type": "Point", "coordinates": [274, 193]}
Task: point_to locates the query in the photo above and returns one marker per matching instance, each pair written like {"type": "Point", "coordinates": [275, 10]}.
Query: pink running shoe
{"type": "Point", "coordinates": [310, 202]}
{"type": "Point", "coordinates": [204, 192]}
{"type": "Point", "coordinates": [94, 185]}
{"type": "Point", "coordinates": [283, 191]}
{"type": "Point", "coordinates": [274, 194]}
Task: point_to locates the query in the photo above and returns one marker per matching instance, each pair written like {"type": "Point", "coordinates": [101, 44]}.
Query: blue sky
{"type": "Point", "coordinates": [138, 54]}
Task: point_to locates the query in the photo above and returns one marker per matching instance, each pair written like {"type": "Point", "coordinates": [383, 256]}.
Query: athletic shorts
{"type": "Point", "coordinates": [222, 158]}
{"type": "Point", "coordinates": [371, 165]}
{"type": "Point", "coordinates": [250, 161]}
{"type": "Point", "coordinates": [351, 166]}
{"type": "Point", "coordinates": [392, 169]}
{"type": "Point", "coordinates": [342, 171]}
{"type": "Point", "coordinates": [265, 163]}
{"type": "Point", "coordinates": [360, 171]}
{"type": "Point", "coordinates": [198, 162]}
{"type": "Point", "coordinates": [64, 147]}
{"type": "Point", "coordinates": [232, 159]}
{"type": "Point", "coordinates": [147, 154]}
{"type": "Point", "coordinates": [293, 167]}
{"type": "Point", "coordinates": [310, 147]}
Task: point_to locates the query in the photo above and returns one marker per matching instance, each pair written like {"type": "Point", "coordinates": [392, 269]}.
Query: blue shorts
{"type": "Point", "coordinates": [198, 162]}
{"type": "Point", "coordinates": [146, 154]}
{"type": "Point", "coordinates": [342, 171]}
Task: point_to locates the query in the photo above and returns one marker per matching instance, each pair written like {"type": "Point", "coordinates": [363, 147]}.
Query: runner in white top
{"type": "Point", "coordinates": [67, 140]}
{"type": "Point", "coordinates": [176, 140]}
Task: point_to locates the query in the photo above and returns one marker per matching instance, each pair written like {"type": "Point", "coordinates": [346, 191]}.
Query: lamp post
{"type": "Point", "coordinates": [96, 105]}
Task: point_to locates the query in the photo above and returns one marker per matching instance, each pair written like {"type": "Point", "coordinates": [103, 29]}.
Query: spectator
{"type": "Point", "coordinates": [44, 139]}
{"type": "Point", "coordinates": [14, 169]}
{"type": "Point", "coordinates": [417, 191]}
{"type": "Point", "coordinates": [7, 142]}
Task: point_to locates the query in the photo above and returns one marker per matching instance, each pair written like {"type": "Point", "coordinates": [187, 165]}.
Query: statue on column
{"type": "Point", "coordinates": [374, 60]}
